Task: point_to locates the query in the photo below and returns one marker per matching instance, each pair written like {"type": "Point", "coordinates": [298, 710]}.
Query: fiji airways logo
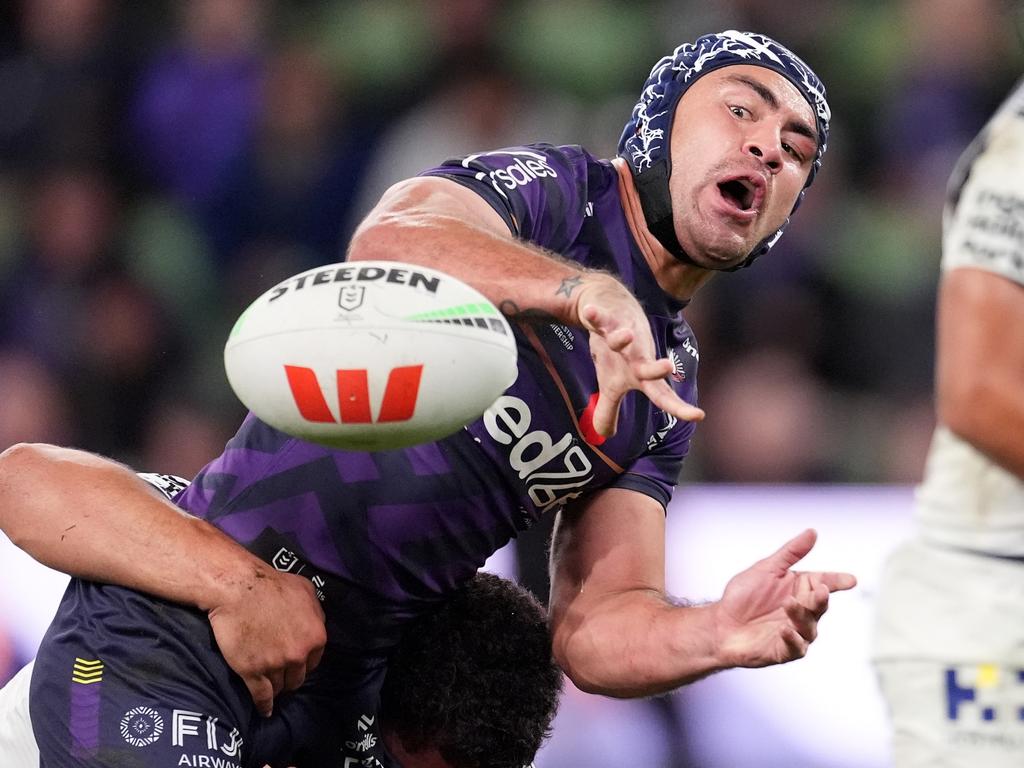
{"type": "Point", "coordinates": [554, 471]}
{"type": "Point", "coordinates": [525, 168]}
{"type": "Point", "coordinates": [192, 729]}
{"type": "Point", "coordinates": [399, 401]}
{"type": "Point", "coordinates": [141, 726]}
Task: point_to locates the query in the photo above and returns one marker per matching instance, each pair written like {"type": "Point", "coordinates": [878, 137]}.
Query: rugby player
{"type": "Point", "coordinates": [594, 261]}
{"type": "Point", "coordinates": [471, 683]}
{"type": "Point", "coordinates": [949, 637]}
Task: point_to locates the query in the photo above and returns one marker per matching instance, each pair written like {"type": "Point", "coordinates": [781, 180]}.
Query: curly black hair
{"type": "Point", "coordinates": [475, 679]}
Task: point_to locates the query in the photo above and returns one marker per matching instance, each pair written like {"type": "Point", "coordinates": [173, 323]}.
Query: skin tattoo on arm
{"type": "Point", "coordinates": [567, 285]}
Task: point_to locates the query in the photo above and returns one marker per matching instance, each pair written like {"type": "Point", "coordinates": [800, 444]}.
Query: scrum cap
{"type": "Point", "coordinates": [645, 139]}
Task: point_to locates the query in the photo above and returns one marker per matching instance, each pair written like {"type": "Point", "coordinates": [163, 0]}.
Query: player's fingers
{"type": "Point", "coordinates": [606, 414]}
{"type": "Point", "coordinates": [665, 398]}
{"type": "Point", "coordinates": [596, 319]}
{"type": "Point", "coordinates": [262, 692]}
{"type": "Point", "coordinates": [618, 339]}
{"type": "Point", "coordinates": [313, 660]}
{"type": "Point", "coordinates": [803, 619]}
{"type": "Point", "coordinates": [837, 582]}
{"type": "Point", "coordinates": [793, 551]}
{"type": "Point", "coordinates": [652, 370]}
{"type": "Point", "coordinates": [816, 600]}
{"type": "Point", "coordinates": [276, 678]}
{"type": "Point", "coordinates": [796, 646]}
{"type": "Point", "coordinates": [294, 675]}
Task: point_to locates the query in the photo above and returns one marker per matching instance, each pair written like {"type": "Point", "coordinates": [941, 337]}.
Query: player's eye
{"type": "Point", "coordinates": [793, 152]}
{"type": "Point", "coordinates": [739, 111]}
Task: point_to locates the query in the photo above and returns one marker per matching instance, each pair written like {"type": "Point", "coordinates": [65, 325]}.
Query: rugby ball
{"type": "Point", "coordinates": [370, 355]}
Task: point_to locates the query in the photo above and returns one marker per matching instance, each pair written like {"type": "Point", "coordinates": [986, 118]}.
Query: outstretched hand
{"type": "Point", "coordinates": [624, 355]}
{"type": "Point", "coordinates": [769, 613]}
{"type": "Point", "coordinates": [272, 635]}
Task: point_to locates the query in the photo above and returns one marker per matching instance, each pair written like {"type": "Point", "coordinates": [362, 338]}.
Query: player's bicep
{"type": "Point", "coordinates": [979, 312]}
{"type": "Point", "coordinates": [611, 543]}
{"type": "Point", "coordinates": [424, 200]}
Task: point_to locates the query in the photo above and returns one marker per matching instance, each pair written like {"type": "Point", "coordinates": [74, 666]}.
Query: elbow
{"type": "Point", "coordinates": [567, 648]}
{"type": "Point", "coordinates": [577, 652]}
{"type": "Point", "coordinates": [19, 465]}
{"type": "Point", "coordinates": [392, 227]}
{"type": "Point", "coordinates": [20, 460]}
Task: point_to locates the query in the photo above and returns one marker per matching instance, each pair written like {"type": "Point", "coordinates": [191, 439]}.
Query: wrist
{"type": "Point", "coordinates": [725, 640]}
{"type": "Point", "coordinates": [227, 573]}
{"type": "Point", "coordinates": [593, 290]}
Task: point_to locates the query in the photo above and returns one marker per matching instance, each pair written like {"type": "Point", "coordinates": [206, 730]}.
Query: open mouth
{"type": "Point", "coordinates": [744, 193]}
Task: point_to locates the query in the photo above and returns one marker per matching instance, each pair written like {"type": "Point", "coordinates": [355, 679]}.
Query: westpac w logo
{"type": "Point", "coordinates": [398, 404]}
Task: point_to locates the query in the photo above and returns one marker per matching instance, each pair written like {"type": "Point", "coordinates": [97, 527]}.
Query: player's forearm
{"type": "Point", "coordinates": [637, 643]}
{"type": "Point", "coordinates": [90, 517]}
{"type": "Point", "coordinates": [425, 223]}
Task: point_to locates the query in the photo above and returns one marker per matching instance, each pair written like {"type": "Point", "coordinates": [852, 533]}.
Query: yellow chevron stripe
{"type": "Point", "coordinates": [86, 682]}
{"type": "Point", "coordinates": [88, 662]}
{"type": "Point", "coordinates": [87, 675]}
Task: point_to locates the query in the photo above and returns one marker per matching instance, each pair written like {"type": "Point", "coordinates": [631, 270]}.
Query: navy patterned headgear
{"type": "Point", "coordinates": [645, 139]}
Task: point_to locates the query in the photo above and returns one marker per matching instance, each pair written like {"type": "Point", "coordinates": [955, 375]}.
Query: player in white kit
{"type": "Point", "coordinates": [949, 640]}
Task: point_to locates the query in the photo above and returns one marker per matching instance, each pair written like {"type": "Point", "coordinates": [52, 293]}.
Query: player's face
{"type": "Point", "coordinates": [743, 143]}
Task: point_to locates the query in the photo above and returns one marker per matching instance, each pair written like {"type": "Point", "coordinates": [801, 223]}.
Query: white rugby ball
{"type": "Point", "coordinates": [370, 355]}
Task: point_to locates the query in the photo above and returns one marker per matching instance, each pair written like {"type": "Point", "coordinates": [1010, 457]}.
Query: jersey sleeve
{"type": "Point", "coordinates": [539, 190]}
{"type": "Point", "coordinates": [169, 485]}
{"type": "Point", "coordinates": [984, 222]}
{"type": "Point", "coordinates": [656, 473]}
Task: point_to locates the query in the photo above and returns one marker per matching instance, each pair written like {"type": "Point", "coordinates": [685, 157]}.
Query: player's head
{"type": "Point", "coordinates": [473, 684]}
{"type": "Point", "coordinates": [696, 158]}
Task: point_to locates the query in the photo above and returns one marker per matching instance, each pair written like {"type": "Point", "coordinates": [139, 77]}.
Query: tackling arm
{"type": "Point", "coordinates": [95, 519]}
{"type": "Point", "coordinates": [617, 632]}
{"type": "Point", "coordinates": [980, 366]}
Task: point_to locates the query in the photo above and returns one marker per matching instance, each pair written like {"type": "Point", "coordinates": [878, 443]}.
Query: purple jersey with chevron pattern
{"type": "Point", "coordinates": [407, 525]}
{"type": "Point", "coordinates": [381, 535]}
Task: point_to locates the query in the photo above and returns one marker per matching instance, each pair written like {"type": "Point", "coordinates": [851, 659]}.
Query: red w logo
{"type": "Point", "coordinates": [354, 395]}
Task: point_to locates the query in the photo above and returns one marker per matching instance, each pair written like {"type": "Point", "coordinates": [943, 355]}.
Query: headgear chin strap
{"type": "Point", "coordinates": [645, 139]}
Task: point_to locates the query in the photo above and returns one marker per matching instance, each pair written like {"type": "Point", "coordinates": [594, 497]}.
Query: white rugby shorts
{"type": "Point", "coordinates": [949, 651]}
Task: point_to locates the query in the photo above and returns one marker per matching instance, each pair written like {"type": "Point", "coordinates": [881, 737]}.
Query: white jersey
{"type": "Point", "coordinates": [966, 500]}
{"type": "Point", "coordinates": [17, 744]}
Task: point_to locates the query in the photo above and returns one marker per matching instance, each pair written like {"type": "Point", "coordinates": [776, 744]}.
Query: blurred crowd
{"type": "Point", "coordinates": [162, 163]}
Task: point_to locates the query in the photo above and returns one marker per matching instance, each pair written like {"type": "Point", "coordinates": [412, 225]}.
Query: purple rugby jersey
{"type": "Point", "coordinates": [410, 524]}
{"type": "Point", "coordinates": [381, 535]}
